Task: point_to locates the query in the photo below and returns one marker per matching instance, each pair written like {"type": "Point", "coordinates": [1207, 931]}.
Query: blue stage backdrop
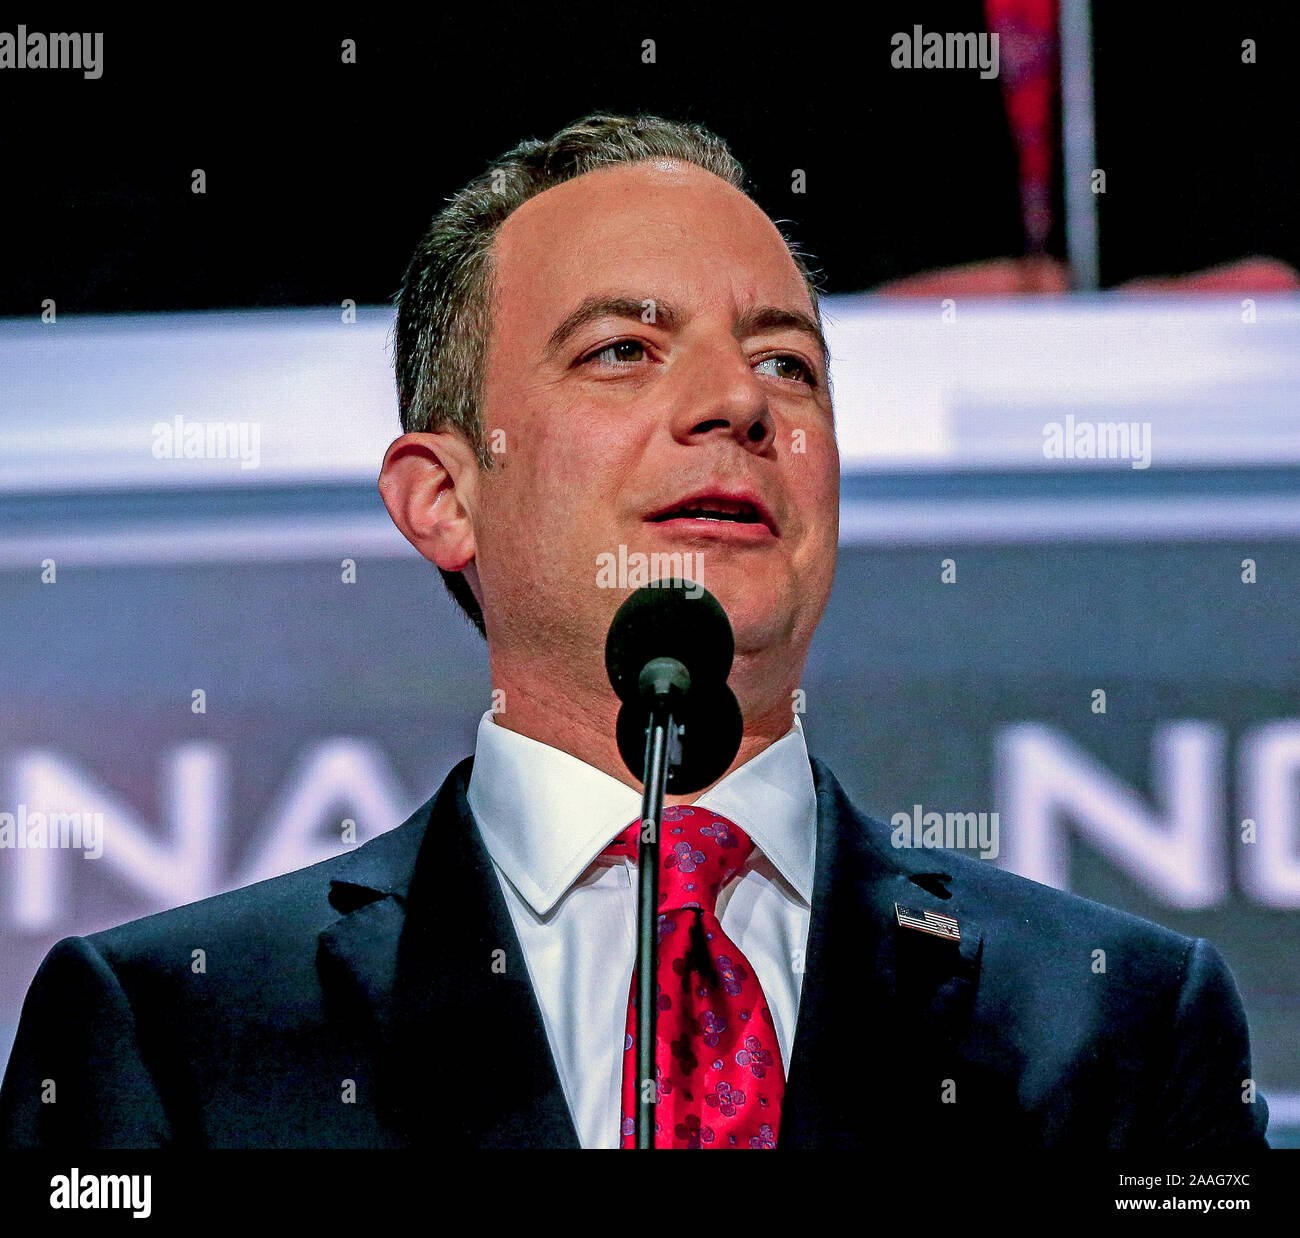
{"type": "Point", "coordinates": [1064, 619]}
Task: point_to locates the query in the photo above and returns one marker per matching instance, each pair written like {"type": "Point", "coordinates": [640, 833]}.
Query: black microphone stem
{"type": "Point", "coordinates": [647, 945]}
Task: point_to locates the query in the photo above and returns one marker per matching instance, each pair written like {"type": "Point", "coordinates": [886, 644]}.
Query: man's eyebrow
{"type": "Point", "coordinates": [773, 318]}
{"type": "Point", "coordinates": [596, 306]}
{"type": "Point", "coordinates": [752, 321]}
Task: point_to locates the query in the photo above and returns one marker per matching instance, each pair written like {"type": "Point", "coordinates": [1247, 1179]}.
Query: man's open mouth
{"type": "Point", "coordinates": [719, 509]}
{"type": "Point", "coordinates": [710, 509]}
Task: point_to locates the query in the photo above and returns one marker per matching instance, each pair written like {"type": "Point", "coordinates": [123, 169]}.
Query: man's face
{"type": "Point", "coordinates": [691, 396]}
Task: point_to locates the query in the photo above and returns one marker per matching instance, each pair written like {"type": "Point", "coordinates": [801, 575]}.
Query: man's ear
{"type": "Point", "coordinates": [429, 483]}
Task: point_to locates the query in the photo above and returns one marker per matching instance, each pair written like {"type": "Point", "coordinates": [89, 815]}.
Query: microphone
{"type": "Point", "coordinates": [668, 655]}
{"type": "Point", "coordinates": [670, 647]}
{"type": "Point", "coordinates": [663, 621]}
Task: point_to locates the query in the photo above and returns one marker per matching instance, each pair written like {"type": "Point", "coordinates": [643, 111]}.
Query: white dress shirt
{"type": "Point", "coordinates": [545, 817]}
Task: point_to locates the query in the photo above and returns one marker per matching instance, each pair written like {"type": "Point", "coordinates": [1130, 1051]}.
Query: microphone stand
{"type": "Point", "coordinates": [682, 689]}
{"type": "Point", "coordinates": [660, 681]}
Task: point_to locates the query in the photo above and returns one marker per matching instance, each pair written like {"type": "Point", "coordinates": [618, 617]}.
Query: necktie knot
{"type": "Point", "coordinates": [699, 852]}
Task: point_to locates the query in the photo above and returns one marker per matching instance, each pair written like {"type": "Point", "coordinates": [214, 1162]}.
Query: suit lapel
{"type": "Point", "coordinates": [881, 1006]}
{"type": "Point", "coordinates": [460, 1047]}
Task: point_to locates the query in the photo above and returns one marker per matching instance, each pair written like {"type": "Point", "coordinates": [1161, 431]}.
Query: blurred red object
{"type": "Point", "coordinates": [997, 277]}
{"type": "Point", "coordinates": [1244, 275]}
{"type": "Point", "coordinates": [1040, 275]}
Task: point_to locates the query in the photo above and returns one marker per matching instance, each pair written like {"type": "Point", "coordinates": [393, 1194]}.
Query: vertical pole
{"type": "Point", "coordinates": [647, 1000]}
{"type": "Point", "coordinates": [1079, 143]}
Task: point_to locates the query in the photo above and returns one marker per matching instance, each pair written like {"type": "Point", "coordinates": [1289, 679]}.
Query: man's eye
{"type": "Point", "coordinates": [615, 352]}
{"type": "Point", "coordinates": [803, 373]}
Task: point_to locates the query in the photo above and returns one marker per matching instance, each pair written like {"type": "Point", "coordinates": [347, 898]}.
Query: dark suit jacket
{"type": "Point", "coordinates": [376, 967]}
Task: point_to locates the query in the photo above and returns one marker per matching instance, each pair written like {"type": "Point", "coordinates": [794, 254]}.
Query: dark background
{"type": "Point", "coordinates": [321, 176]}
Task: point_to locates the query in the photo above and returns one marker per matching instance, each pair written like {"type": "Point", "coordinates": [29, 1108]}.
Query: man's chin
{"type": "Point", "coordinates": [759, 620]}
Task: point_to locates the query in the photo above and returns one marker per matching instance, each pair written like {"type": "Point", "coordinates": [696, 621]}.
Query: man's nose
{"type": "Point", "coordinates": [725, 397]}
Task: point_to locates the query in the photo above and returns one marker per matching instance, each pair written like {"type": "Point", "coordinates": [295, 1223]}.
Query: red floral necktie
{"type": "Point", "coordinates": [717, 1060]}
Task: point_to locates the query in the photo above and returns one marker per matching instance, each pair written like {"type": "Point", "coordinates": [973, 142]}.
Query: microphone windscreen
{"type": "Point", "coordinates": [669, 619]}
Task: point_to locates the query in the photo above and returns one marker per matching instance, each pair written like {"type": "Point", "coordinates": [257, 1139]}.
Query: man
{"type": "Point", "coordinates": [603, 343]}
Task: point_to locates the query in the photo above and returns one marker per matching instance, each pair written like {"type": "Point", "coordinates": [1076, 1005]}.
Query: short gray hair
{"type": "Point", "coordinates": [444, 306]}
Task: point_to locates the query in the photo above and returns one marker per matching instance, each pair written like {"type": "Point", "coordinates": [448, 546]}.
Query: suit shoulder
{"type": "Point", "coordinates": [998, 897]}
{"type": "Point", "coordinates": [292, 903]}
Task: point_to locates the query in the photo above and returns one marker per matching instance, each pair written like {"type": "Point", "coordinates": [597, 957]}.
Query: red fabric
{"type": "Point", "coordinates": [721, 1081]}
{"type": "Point", "coordinates": [1027, 55]}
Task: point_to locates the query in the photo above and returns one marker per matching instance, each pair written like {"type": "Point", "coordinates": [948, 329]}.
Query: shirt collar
{"type": "Point", "coordinates": [573, 810]}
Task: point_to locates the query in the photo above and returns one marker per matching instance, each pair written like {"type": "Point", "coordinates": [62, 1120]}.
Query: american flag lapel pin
{"type": "Point", "coordinates": [928, 922]}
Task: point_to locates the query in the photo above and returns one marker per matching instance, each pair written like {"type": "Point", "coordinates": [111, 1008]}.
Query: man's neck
{"type": "Point", "coordinates": [582, 722]}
